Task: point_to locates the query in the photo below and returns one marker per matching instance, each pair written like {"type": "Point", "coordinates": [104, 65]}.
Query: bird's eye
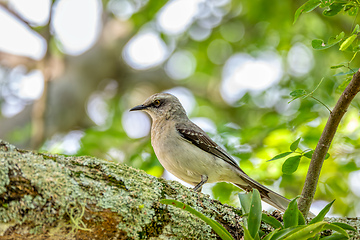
{"type": "Point", "coordinates": [156, 103]}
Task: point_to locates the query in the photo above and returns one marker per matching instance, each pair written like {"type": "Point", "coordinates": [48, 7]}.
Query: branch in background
{"type": "Point", "coordinates": [323, 145]}
{"type": "Point", "coordinates": [39, 107]}
{"type": "Point", "coordinates": [14, 14]}
{"type": "Point", "coordinates": [11, 60]}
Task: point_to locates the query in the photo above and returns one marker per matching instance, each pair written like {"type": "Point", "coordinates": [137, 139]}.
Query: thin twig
{"type": "Point", "coordinates": [14, 14]}
{"type": "Point", "coordinates": [39, 106]}
{"type": "Point", "coordinates": [321, 103]}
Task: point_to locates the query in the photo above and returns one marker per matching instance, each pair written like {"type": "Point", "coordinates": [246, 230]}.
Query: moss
{"type": "Point", "coordinates": [50, 157]}
{"type": "Point", "coordinates": [49, 196]}
{"type": "Point", "coordinates": [119, 201]}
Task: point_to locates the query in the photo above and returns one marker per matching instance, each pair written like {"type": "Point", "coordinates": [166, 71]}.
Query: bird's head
{"type": "Point", "coordinates": [162, 106]}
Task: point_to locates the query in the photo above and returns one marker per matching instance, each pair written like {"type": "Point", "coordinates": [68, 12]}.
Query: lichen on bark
{"type": "Point", "coordinates": [60, 197]}
{"type": "Point", "coordinates": [49, 196]}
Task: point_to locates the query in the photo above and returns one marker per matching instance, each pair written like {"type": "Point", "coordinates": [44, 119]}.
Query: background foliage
{"type": "Point", "coordinates": [253, 128]}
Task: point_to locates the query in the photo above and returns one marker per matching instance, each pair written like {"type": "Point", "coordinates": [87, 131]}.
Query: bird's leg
{"type": "Point", "coordinates": [198, 187]}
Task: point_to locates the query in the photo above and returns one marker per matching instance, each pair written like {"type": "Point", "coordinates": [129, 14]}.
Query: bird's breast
{"type": "Point", "coordinates": [173, 153]}
{"type": "Point", "coordinates": [183, 159]}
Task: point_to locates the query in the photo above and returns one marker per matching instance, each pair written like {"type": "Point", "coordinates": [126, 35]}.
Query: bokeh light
{"type": "Point", "coordinates": [76, 24]}
{"type": "Point", "coordinates": [300, 60]}
{"type": "Point", "coordinates": [64, 143]}
{"type": "Point", "coordinates": [177, 15]}
{"type": "Point", "coordinates": [185, 96]}
{"type": "Point", "coordinates": [243, 73]}
{"type": "Point", "coordinates": [219, 51]}
{"type": "Point", "coordinates": [97, 109]}
{"type": "Point", "coordinates": [19, 39]}
{"type": "Point", "coordinates": [23, 88]}
{"type": "Point", "coordinates": [124, 9]}
{"type": "Point", "coordinates": [180, 65]}
{"type": "Point", "coordinates": [145, 50]}
{"type": "Point", "coordinates": [136, 124]}
{"type": "Point", "coordinates": [35, 11]}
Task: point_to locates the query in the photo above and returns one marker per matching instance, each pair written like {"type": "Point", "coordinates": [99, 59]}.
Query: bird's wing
{"type": "Point", "coordinates": [199, 138]}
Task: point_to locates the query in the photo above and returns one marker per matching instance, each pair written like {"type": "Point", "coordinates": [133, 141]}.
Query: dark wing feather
{"type": "Point", "coordinates": [200, 139]}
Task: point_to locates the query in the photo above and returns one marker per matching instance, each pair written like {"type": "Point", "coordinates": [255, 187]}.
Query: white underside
{"type": "Point", "coordinates": [188, 162]}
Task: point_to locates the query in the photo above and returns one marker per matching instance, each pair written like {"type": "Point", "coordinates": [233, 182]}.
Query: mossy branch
{"type": "Point", "coordinates": [324, 143]}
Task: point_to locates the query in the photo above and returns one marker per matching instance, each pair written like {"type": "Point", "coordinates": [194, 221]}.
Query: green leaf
{"type": "Point", "coordinates": [344, 84]}
{"type": "Point", "coordinates": [279, 156]}
{"type": "Point", "coordinates": [291, 215]}
{"type": "Point", "coordinates": [245, 201]}
{"type": "Point", "coordinates": [254, 218]}
{"type": "Point", "coordinates": [301, 219]}
{"type": "Point", "coordinates": [337, 229]}
{"type": "Point", "coordinates": [334, 236]}
{"type": "Point", "coordinates": [351, 72]}
{"type": "Point", "coordinates": [309, 154]}
{"type": "Point", "coordinates": [295, 144]}
{"type": "Point", "coordinates": [306, 7]}
{"type": "Point", "coordinates": [317, 237]}
{"type": "Point", "coordinates": [356, 29]}
{"type": "Point", "coordinates": [217, 227]}
{"type": "Point", "coordinates": [271, 234]}
{"type": "Point", "coordinates": [247, 235]}
{"type": "Point", "coordinates": [334, 9]}
{"type": "Point", "coordinates": [322, 213]}
{"type": "Point", "coordinates": [351, 9]}
{"type": "Point", "coordinates": [298, 93]}
{"type": "Point", "coordinates": [337, 66]}
{"type": "Point", "coordinates": [319, 44]}
{"type": "Point", "coordinates": [347, 42]}
{"type": "Point", "coordinates": [306, 232]}
{"type": "Point", "coordinates": [291, 164]}
{"type": "Point", "coordinates": [270, 220]}
{"type": "Point", "coordinates": [345, 226]}
{"type": "Point", "coordinates": [281, 234]}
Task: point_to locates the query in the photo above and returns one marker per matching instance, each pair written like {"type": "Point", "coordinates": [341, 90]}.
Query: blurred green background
{"type": "Point", "coordinates": [68, 82]}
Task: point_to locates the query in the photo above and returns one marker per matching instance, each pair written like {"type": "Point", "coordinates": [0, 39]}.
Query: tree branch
{"type": "Point", "coordinates": [323, 145]}
{"type": "Point", "coordinates": [14, 14]}
{"type": "Point", "coordinates": [12, 60]}
{"type": "Point", "coordinates": [39, 107]}
{"type": "Point", "coordinates": [49, 196]}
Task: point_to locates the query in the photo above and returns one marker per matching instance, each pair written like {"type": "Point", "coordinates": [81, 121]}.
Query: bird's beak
{"type": "Point", "coordinates": [139, 107]}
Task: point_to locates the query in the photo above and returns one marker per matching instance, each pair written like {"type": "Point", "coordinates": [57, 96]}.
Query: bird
{"type": "Point", "coordinates": [186, 151]}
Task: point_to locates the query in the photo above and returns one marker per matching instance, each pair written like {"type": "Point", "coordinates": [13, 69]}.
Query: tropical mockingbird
{"type": "Point", "coordinates": [186, 151]}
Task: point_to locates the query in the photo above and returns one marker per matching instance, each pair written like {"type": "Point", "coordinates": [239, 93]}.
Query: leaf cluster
{"type": "Point", "coordinates": [291, 164]}
{"type": "Point", "coordinates": [293, 227]}
{"type": "Point", "coordinates": [332, 7]}
{"type": "Point", "coordinates": [348, 43]}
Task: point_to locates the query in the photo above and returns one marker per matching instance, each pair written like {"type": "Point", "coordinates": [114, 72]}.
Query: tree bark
{"type": "Point", "coordinates": [48, 196]}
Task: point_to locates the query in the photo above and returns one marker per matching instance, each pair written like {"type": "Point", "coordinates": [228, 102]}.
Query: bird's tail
{"type": "Point", "coordinates": [270, 197]}
{"type": "Point", "coordinates": [274, 199]}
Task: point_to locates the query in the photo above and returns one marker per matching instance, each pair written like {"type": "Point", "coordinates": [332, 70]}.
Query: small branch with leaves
{"type": "Point", "coordinates": [303, 94]}
{"type": "Point", "coordinates": [349, 43]}
{"type": "Point", "coordinates": [324, 143]}
{"type": "Point", "coordinates": [291, 164]}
